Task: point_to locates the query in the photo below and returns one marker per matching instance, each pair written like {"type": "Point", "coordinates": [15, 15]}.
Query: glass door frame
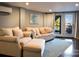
{"type": "Point", "coordinates": [73, 25]}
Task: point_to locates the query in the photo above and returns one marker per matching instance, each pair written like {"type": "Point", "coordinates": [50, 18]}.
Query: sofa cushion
{"type": "Point", "coordinates": [18, 32]}
{"type": "Point", "coordinates": [35, 45]}
{"type": "Point", "coordinates": [14, 28]}
{"type": "Point", "coordinates": [37, 31]}
{"type": "Point", "coordinates": [8, 38]}
{"type": "Point", "coordinates": [47, 36]}
{"type": "Point", "coordinates": [48, 29]}
{"type": "Point", "coordinates": [26, 33]}
{"type": "Point", "coordinates": [24, 40]}
{"type": "Point", "coordinates": [7, 31]}
{"type": "Point", "coordinates": [42, 30]}
{"type": "Point", "coordinates": [28, 29]}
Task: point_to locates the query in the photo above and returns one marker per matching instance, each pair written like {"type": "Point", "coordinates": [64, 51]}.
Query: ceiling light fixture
{"type": "Point", "coordinates": [50, 10]}
{"type": "Point", "coordinates": [27, 3]}
{"type": "Point", "coordinates": [76, 4]}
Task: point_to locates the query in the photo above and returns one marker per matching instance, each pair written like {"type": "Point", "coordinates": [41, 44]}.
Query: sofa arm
{"type": "Point", "coordinates": [8, 38]}
{"type": "Point", "coordinates": [27, 33]}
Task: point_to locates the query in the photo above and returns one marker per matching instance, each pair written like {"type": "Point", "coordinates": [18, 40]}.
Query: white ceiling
{"type": "Point", "coordinates": [45, 6]}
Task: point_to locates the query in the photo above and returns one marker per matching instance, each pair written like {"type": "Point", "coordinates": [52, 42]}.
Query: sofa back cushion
{"type": "Point", "coordinates": [18, 33]}
{"type": "Point", "coordinates": [42, 30]}
{"type": "Point", "coordinates": [34, 30]}
{"type": "Point", "coordinates": [48, 29]}
{"type": "Point", "coordinates": [6, 31]}
{"type": "Point", "coordinates": [28, 28]}
{"type": "Point", "coordinates": [37, 31]}
{"type": "Point", "coordinates": [26, 33]}
{"type": "Point", "coordinates": [14, 28]}
{"type": "Point", "coordinates": [8, 38]}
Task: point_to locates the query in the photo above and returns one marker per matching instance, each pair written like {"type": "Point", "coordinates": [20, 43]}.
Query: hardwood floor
{"type": "Point", "coordinates": [73, 50]}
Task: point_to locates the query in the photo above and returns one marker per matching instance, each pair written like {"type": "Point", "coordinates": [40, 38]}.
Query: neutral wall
{"type": "Point", "coordinates": [77, 27]}
{"type": "Point", "coordinates": [49, 20]}
{"type": "Point", "coordinates": [11, 20]}
{"type": "Point", "coordinates": [21, 17]}
{"type": "Point", "coordinates": [25, 18]}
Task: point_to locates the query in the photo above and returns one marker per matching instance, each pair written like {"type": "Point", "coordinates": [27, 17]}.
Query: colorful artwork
{"type": "Point", "coordinates": [33, 19]}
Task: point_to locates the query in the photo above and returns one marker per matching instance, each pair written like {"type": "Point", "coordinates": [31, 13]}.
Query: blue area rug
{"type": "Point", "coordinates": [56, 47]}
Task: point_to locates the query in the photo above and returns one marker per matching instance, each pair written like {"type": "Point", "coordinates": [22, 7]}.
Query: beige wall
{"type": "Point", "coordinates": [11, 20]}
{"type": "Point", "coordinates": [77, 25]}
{"type": "Point", "coordinates": [22, 18]}
{"type": "Point", "coordinates": [43, 20]}
{"type": "Point", "coordinates": [25, 18]}
{"type": "Point", "coordinates": [49, 20]}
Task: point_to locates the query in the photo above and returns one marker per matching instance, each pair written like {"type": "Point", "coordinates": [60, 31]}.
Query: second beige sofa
{"type": "Point", "coordinates": [40, 32]}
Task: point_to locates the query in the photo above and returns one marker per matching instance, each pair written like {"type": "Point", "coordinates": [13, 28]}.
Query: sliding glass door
{"type": "Point", "coordinates": [58, 24]}
{"type": "Point", "coordinates": [64, 24]}
{"type": "Point", "coordinates": [69, 24]}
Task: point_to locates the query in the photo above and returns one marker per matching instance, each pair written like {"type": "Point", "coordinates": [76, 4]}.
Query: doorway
{"type": "Point", "coordinates": [58, 24]}
{"type": "Point", "coordinates": [64, 24]}
{"type": "Point", "coordinates": [69, 24]}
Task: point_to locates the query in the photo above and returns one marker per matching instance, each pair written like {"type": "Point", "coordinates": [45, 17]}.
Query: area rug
{"type": "Point", "coordinates": [55, 47]}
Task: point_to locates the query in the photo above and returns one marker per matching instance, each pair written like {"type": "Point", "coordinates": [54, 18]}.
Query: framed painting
{"type": "Point", "coordinates": [34, 19]}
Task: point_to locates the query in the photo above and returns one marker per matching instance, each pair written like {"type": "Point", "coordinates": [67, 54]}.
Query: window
{"type": "Point", "coordinates": [68, 23]}
{"type": "Point", "coordinates": [58, 24]}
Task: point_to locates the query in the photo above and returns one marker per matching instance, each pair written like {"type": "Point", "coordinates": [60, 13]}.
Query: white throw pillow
{"type": "Point", "coordinates": [18, 32]}
{"type": "Point", "coordinates": [7, 31]}
{"type": "Point", "coordinates": [37, 31]}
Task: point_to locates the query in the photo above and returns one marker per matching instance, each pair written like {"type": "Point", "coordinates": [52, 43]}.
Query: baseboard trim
{"type": "Point", "coordinates": [50, 40]}
{"type": "Point", "coordinates": [64, 37]}
{"type": "Point", "coordinates": [2, 55]}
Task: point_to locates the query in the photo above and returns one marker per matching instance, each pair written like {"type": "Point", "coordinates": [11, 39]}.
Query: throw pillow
{"type": "Point", "coordinates": [28, 29]}
{"type": "Point", "coordinates": [7, 31]}
{"type": "Point", "coordinates": [48, 29]}
{"type": "Point", "coordinates": [42, 31]}
{"type": "Point", "coordinates": [18, 33]}
{"type": "Point", "coordinates": [37, 31]}
{"type": "Point", "coordinates": [26, 33]}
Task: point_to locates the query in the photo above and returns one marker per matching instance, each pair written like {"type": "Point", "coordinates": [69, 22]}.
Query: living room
{"type": "Point", "coordinates": [60, 19]}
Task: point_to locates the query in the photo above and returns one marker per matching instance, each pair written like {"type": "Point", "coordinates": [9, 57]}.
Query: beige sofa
{"type": "Point", "coordinates": [10, 43]}
{"type": "Point", "coordinates": [9, 46]}
{"type": "Point", "coordinates": [32, 47]}
{"type": "Point", "coordinates": [40, 32]}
